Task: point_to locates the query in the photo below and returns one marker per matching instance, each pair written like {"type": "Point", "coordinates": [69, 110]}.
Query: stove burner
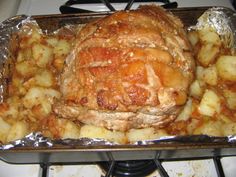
{"type": "Point", "coordinates": [68, 6]}
{"type": "Point", "coordinates": [130, 168]}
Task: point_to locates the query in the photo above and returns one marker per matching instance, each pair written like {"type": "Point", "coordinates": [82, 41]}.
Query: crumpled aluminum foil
{"type": "Point", "coordinates": [36, 139]}
{"type": "Point", "coordinates": [221, 20]}
{"type": "Point", "coordinates": [218, 18]}
{"type": "Point", "coordinates": [6, 29]}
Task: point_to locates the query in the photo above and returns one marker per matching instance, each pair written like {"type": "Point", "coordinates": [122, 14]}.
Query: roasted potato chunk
{"type": "Point", "coordinates": [207, 54]}
{"type": "Point", "coordinates": [186, 112]}
{"type": "Point", "coordinates": [37, 95]}
{"type": "Point", "coordinates": [71, 130]}
{"type": "Point", "coordinates": [45, 79]}
{"type": "Point", "coordinates": [230, 98]}
{"type": "Point", "coordinates": [210, 103]}
{"type": "Point", "coordinates": [4, 129]}
{"type": "Point", "coordinates": [42, 54]}
{"type": "Point", "coordinates": [193, 37]}
{"type": "Point", "coordinates": [17, 131]}
{"type": "Point", "coordinates": [92, 131]}
{"type": "Point", "coordinates": [226, 67]}
{"type": "Point", "coordinates": [209, 35]}
{"type": "Point", "coordinates": [196, 90]}
{"type": "Point", "coordinates": [211, 128]}
{"type": "Point", "coordinates": [135, 135]}
{"type": "Point", "coordinates": [209, 75]}
{"type": "Point", "coordinates": [229, 129]}
{"type": "Point", "coordinates": [26, 69]}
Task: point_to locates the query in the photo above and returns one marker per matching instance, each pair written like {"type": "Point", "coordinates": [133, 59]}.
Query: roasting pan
{"type": "Point", "coordinates": [91, 153]}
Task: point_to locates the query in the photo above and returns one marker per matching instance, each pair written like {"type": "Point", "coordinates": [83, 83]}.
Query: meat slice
{"type": "Point", "coordinates": [131, 69]}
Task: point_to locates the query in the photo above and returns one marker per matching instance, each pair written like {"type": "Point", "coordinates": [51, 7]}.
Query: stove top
{"type": "Point", "coordinates": [187, 168]}
{"type": "Point", "coordinates": [42, 7]}
{"type": "Point", "coordinates": [79, 6]}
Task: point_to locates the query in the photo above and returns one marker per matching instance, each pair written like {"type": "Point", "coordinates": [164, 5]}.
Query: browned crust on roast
{"type": "Point", "coordinates": [128, 70]}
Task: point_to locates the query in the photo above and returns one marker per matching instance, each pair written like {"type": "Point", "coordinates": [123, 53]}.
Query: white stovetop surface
{"type": "Point", "coordinates": [193, 168]}
{"type": "Point", "coordinates": [36, 7]}
{"type": "Point", "coordinates": [39, 7]}
{"type": "Point", "coordinates": [196, 168]}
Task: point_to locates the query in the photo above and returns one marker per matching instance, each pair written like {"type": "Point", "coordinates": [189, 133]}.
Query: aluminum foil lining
{"type": "Point", "coordinates": [222, 21]}
{"type": "Point", "coordinates": [6, 29]}
{"type": "Point", "coordinates": [218, 18]}
{"type": "Point", "coordinates": [36, 139]}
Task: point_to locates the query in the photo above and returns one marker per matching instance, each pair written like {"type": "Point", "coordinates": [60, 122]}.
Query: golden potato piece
{"type": "Point", "coordinates": [37, 95]}
{"type": "Point", "coordinates": [186, 112]}
{"type": "Point", "coordinates": [207, 54]}
{"type": "Point", "coordinates": [30, 34]}
{"type": "Point", "coordinates": [210, 103]}
{"type": "Point", "coordinates": [199, 71]}
{"type": "Point", "coordinates": [194, 123]}
{"type": "Point", "coordinates": [193, 37]}
{"type": "Point", "coordinates": [13, 109]}
{"type": "Point", "coordinates": [44, 79]}
{"type": "Point", "coordinates": [4, 129]}
{"type": "Point", "coordinates": [24, 54]}
{"type": "Point", "coordinates": [33, 97]}
{"type": "Point", "coordinates": [52, 41]}
{"type": "Point", "coordinates": [62, 48]}
{"type": "Point", "coordinates": [196, 89]}
{"type": "Point", "coordinates": [70, 130]}
{"type": "Point", "coordinates": [135, 135]}
{"type": "Point", "coordinates": [229, 129]}
{"type": "Point", "coordinates": [60, 51]}
{"type": "Point", "coordinates": [42, 109]}
{"type": "Point", "coordinates": [224, 118]}
{"type": "Point", "coordinates": [17, 131]}
{"type": "Point", "coordinates": [230, 98]}
{"type": "Point", "coordinates": [36, 35]}
{"type": "Point", "coordinates": [226, 67]}
{"type": "Point", "coordinates": [208, 35]}
{"type": "Point", "coordinates": [209, 75]}
{"type": "Point", "coordinates": [211, 128]}
{"type": "Point", "coordinates": [42, 54]}
{"type": "Point", "coordinates": [91, 131]}
{"type": "Point", "coordinates": [26, 69]}
{"type": "Point", "coordinates": [51, 94]}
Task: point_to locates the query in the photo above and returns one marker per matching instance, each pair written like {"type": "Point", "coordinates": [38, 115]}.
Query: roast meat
{"type": "Point", "coordinates": [131, 69]}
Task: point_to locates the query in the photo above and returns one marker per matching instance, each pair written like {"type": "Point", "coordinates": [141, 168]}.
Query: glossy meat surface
{"type": "Point", "coordinates": [128, 70]}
